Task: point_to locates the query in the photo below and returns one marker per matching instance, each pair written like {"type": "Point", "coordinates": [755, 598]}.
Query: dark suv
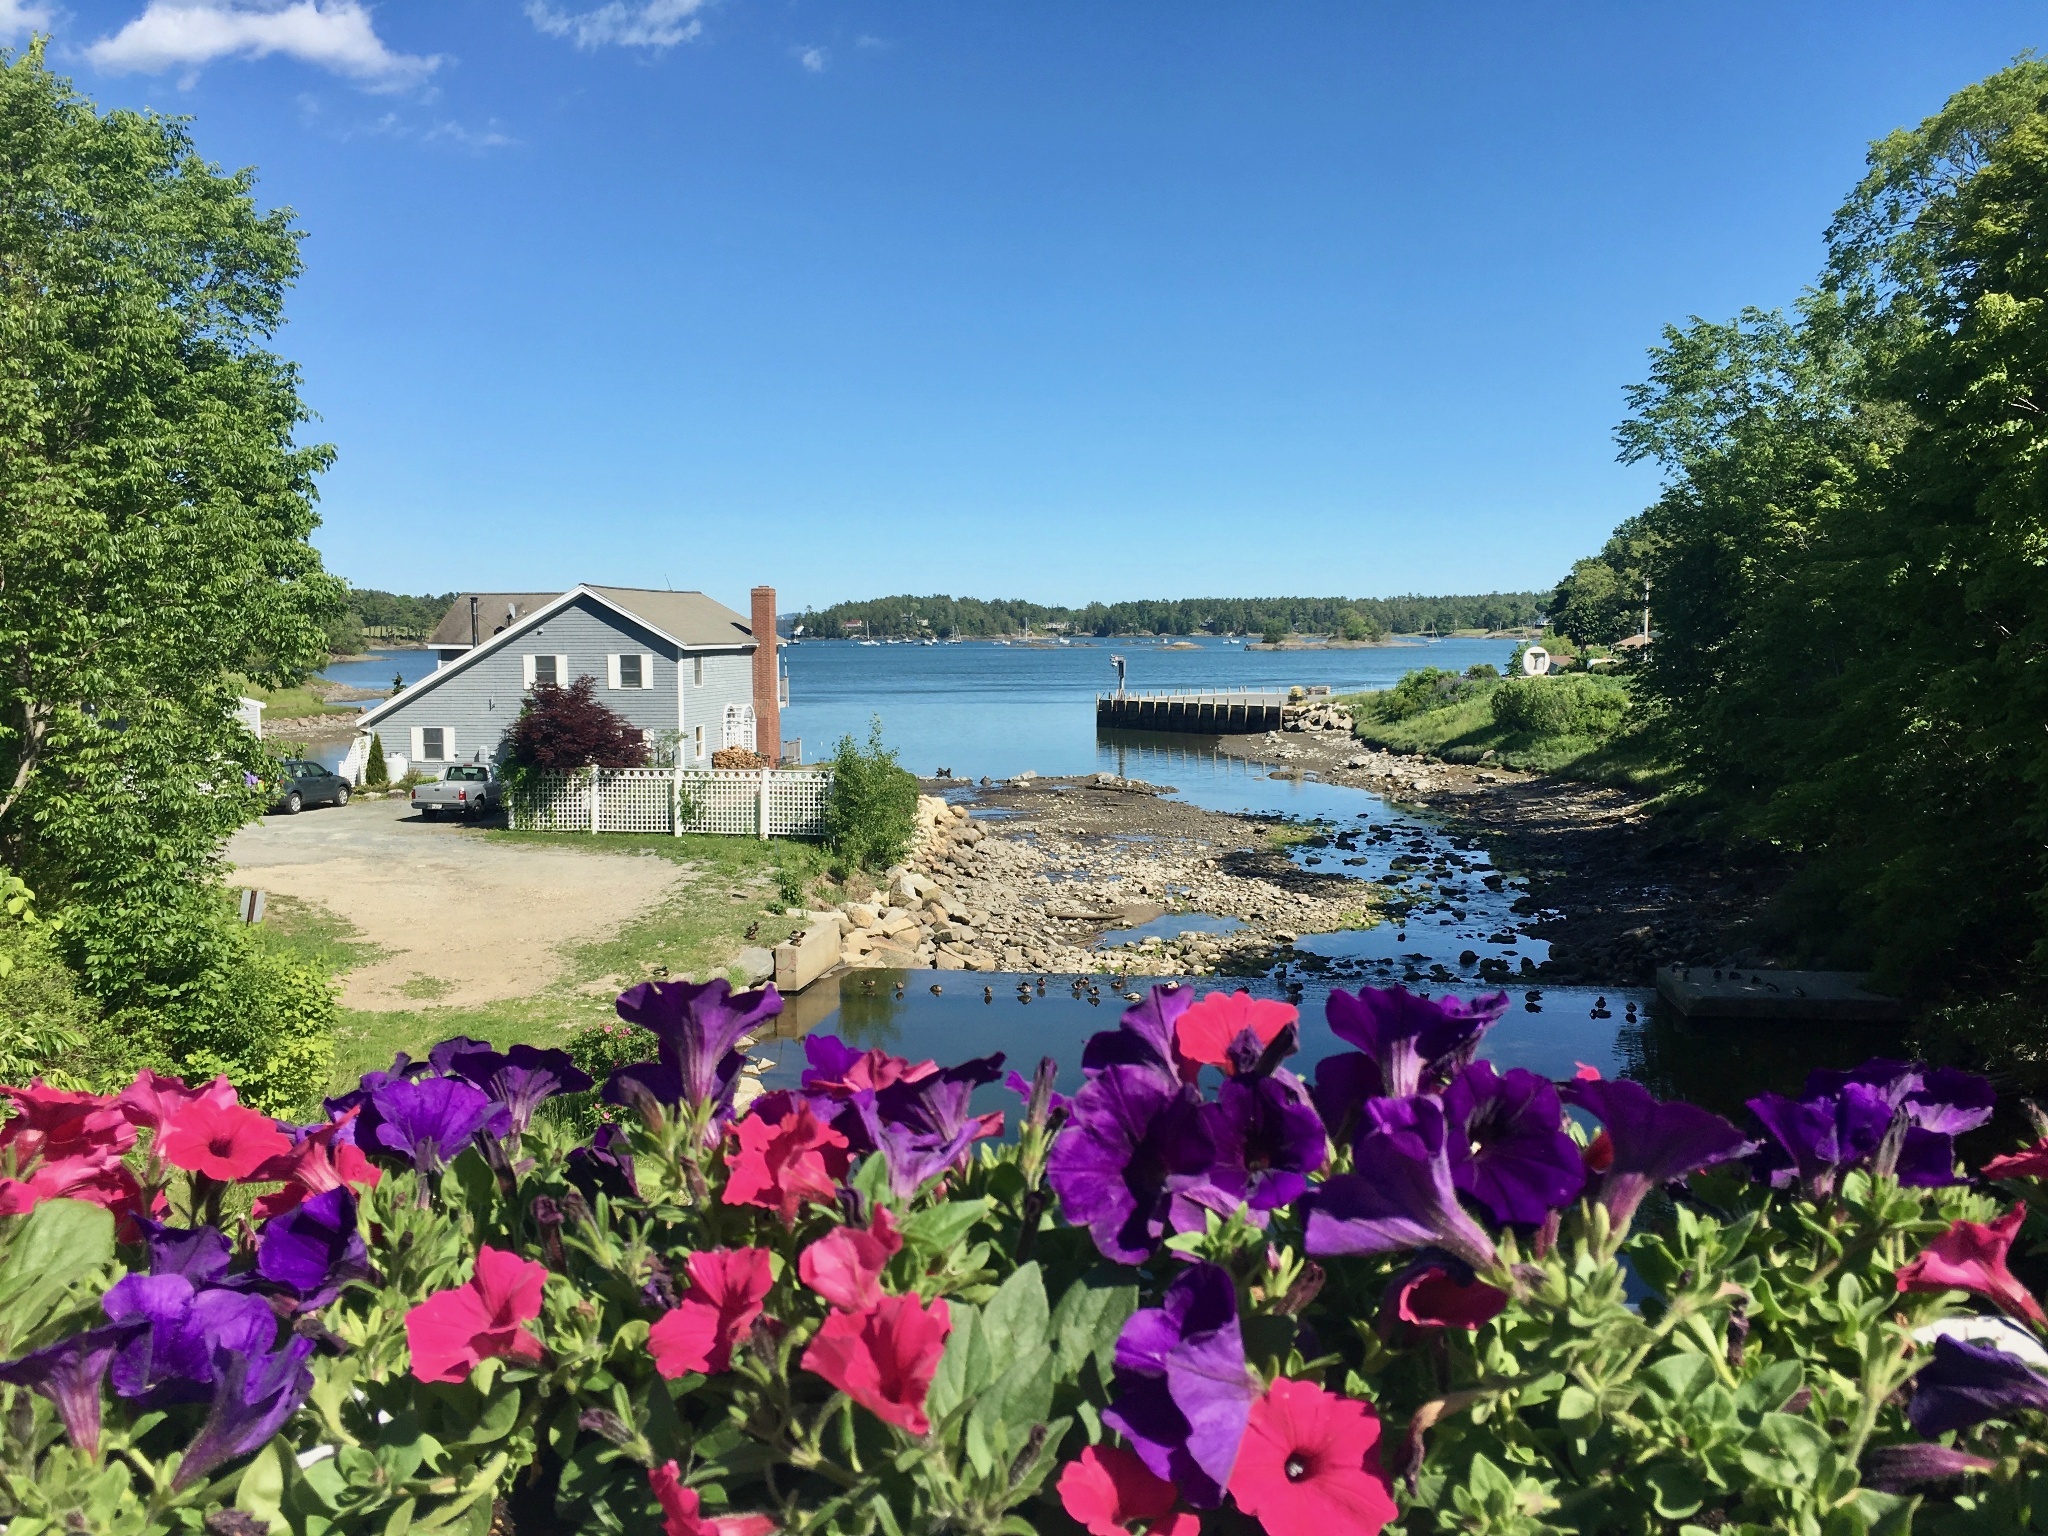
{"type": "Point", "coordinates": [302, 784]}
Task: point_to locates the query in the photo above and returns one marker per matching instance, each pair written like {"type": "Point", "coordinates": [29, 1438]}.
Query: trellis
{"type": "Point", "coordinates": [730, 802]}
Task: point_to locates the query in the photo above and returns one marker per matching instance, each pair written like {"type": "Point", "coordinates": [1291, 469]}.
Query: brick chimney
{"type": "Point", "coordinates": [767, 684]}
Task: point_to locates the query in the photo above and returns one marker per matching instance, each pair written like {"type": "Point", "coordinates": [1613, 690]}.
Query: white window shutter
{"type": "Point", "coordinates": [562, 671]}
{"type": "Point", "coordinates": [526, 671]}
{"type": "Point", "coordinates": [448, 743]}
{"type": "Point", "coordinates": [419, 745]}
{"type": "Point", "coordinates": [611, 671]}
{"type": "Point", "coordinates": [646, 671]}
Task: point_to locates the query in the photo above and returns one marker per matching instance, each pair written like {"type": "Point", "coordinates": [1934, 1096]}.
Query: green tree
{"type": "Point", "coordinates": [155, 511]}
{"type": "Point", "coordinates": [1275, 632]}
{"type": "Point", "coordinates": [376, 772]}
{"type": "Point", "coordinates": [872, 815]}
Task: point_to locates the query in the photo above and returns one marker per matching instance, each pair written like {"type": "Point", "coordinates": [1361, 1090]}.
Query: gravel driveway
{"type": "Point", "coordinates": [459, 918]}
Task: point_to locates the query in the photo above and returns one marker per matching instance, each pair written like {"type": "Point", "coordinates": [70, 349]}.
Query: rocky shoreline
{"type": "Point", "coordinates": [1614, 893]}
{"type": "Point", "coordinates": [1051, 865]}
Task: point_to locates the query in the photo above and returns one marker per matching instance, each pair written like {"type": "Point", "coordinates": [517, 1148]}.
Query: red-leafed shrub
{"type": "Point", "coordinates": [563, 729]}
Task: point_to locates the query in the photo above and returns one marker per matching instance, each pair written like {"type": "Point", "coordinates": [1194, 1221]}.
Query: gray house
{"type": "Point", "coordinates": [688, 671]}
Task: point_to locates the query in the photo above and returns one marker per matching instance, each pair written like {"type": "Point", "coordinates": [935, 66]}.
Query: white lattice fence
{"type": "Point", "coordinates": [796, 803]}
{"type": "Point", "coordinates": [635, 800]}
{"type": "Point", "coordinates": [730, 802]}
{"type": "Point", "coordinates": [559, 803]}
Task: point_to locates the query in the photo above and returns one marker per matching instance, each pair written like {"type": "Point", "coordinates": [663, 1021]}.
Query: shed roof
{"type": "Point", "coordinates": [490, 614]}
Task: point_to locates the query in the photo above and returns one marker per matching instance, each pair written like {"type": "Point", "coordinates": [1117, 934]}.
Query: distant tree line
{"type": "Point", "coordinates": [1358, 618]}
{"type": "Point", "coordinates": [389, 615]}
{"type": "Point", "coordinates": [1848, 606]}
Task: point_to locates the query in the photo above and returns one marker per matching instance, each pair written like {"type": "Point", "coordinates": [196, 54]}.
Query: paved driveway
{"type": "Point", "coordinates": [460, 918]}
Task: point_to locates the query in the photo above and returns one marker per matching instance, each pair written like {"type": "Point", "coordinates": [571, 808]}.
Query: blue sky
{"type": "Point", "coordinates": [1060, 300]}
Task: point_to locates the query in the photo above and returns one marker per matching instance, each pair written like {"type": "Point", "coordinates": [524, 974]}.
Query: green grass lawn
{"type": "Point", "coordinates": [694, 932]}
{"type": "Point", "coordinates": [1465, 732]}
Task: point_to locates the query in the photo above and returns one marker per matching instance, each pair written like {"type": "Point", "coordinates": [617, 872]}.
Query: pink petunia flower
{"type": "Point", "coordinates": [56, 1123]}
{"type": "Point", "coordinates": [884, 1358]}
{"type": "Point", "coordinates": [453, 1331]}
{"type": "Point", "coordinates": [318, 1163]}
{"type": "Point", "coordinates": [785, 1163]}
{"type": "Point", "coordinates": [1204, 1033]}
{"type": "Point", "coordinates": [1108, 1489]}
{"type": "Point", "coordinates": [679, 1507]}
{"type": "Point", "coordinates": [1433, 1298]}
{"type": "Point", "coordinates": [727, 1287]}
{"type": "Point", "coordinates": [845, 1266]}
{"type": "Point", "coordinates": [222, 1141]}
{"type": "Point", "coordinates": [152, 1101]}
{"type": "Point", "coordinates": [1310, 1462]}
{"type": "Point", "coordinates": [2029, 1164]}
{"type": "Point", "coordinates": [1970, 1256]}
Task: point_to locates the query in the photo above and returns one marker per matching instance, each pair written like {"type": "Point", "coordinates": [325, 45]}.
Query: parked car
{"type": "Point", "coordinates": [303, 784]}
{"type": "Point", "coordinates": [467, 789]}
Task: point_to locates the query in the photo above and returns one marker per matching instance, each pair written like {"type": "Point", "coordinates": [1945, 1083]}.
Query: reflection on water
{"type": "Point", "coordinates": [1621, 1031]}
{"type": "Point", "coordinates": [1171, 926]}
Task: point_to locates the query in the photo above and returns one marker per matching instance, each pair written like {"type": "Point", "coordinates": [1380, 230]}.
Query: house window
{"type": "Point", "coordinates": [698, 670]}
{"type": "Point", "coordinates": [545, 671]}
{"type": "Point", "coordinates": [629, 672]}
{"type": "Point", "coordinates": [699, 742]}
{"type": "Point", "coordinates": [434, 744]}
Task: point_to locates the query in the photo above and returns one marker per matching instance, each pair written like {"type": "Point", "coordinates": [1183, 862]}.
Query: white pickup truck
{"type": "Point", "coordinates": [466, 789]}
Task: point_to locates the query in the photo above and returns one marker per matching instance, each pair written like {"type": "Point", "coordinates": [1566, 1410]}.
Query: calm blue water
{"type": "Point", "coordinates": [378, 671]}
{"type": "Point", "coordinates": [980, 708]}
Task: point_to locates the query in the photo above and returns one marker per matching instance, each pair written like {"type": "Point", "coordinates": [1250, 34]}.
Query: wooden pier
{"type": "Point", "coordinates": [1206, 714]}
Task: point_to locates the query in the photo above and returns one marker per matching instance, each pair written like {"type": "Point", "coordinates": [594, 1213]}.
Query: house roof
{"type": "Point", "coordinates": [490, 614]}
{"type": "Point", "coordinates": [690, 619]}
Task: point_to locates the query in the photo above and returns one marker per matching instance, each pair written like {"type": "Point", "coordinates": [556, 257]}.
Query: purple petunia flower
{"type": "Point", "coordinates": [1966, 1383]}
{"type": "Point", "coordinates": [1343, 1083]}
{"type": "Point", "coordinates": [200, 1254]}
{"type": "Point", "coordinates": [314, 1249]}
{"type": "Point", "coordinates": [1902, 1468]}
{"type": "Point", "coordinates": [1414, 1040]}
{"type": "Point", "coordinates": [937, 1103]}
{"type": "Point", "coordinates": [430, 1120]}
{"type": "Point", "coordinates": [519, 1079]}
{"type": "Point", "coordinates": [1113, 1166]}
{"type": "Point", "coordinates": [69, 1373]}
{"type": "Point", "coordinates": [1266, 1139]}
{"type": "Point", "coordinates": [605, 1166]}
{"type": "Point", "coordinates": [1043, 1105]}
{"type": "Point", "coordinates": [1654, 1141]}
{"type": "Point", "coordinates": [698, 1025]}
{"type": "Point", "coordinates": [915, 1157]}
{"type": "Point", "coordinates": [169, 1358]}
{"type": "Point", "coordinates": [1821, 1136]}
{"type": "Point", "coordinates": [362, 1130]}
{"type": "Point", "coordinates": [1145, 1038]}
{"type": "Point", "coordinates": [1400, 1194]}
{"type": "Point", "coordinates": [1505, 1136]}
{"type": "Point", "coordinates": [1182, 1391]}
{"type": "Point", "coordinates": [1934, 1106]}
{"type": "Point", "coordinates": [254, 1393]}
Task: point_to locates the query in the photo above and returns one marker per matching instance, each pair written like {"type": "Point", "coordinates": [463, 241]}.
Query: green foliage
{"type": "Point", "coordinates": [1602, 599]}
{"type": "Point", "coordinates": [1846, 559]}
{"type": "Point", "coordinates": [969, 616]}
{"type": "Point", "coordinates": [155, 541]}
{"type": "Point", "coordinates": [1275, 632]}
{"type": "Point", "coordinates": [394, 616]}
{"type": "Point", "coordinates": [1418, 692]}
{"type": "Point", "coordinates": [872, 815]}
{"type": "Point", "coordinates": [44, 1022]}
{"type": "Point", "coordinates": [376, 772]}
{"type": "Point", "coordinates": [1560, 706]}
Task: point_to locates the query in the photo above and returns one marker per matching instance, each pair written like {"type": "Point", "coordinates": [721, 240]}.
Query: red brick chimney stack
{"type": "Point", "coordinates": [767, 683]}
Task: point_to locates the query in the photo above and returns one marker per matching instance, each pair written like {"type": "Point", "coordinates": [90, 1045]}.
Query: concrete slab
{"type": "Point", "coordinates": [1703, 992]}
{"type": "Point", "coordinates": [806, 957]}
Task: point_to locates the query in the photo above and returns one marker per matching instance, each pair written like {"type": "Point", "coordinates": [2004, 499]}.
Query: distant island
{"type": "Point", "coordinates": [1355, 619]}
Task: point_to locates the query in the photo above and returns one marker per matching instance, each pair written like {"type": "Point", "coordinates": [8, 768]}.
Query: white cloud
{"type": "Point", "coordinates": [336, 35]}
{"type": "Point", "coordinates": [643, 24]}
{"type": "Point", "coordinates": [490, 137]}
{"type": "Point", "coordinates": [813, 59]}
{"type": "Point", "coordinates": [19, 16]}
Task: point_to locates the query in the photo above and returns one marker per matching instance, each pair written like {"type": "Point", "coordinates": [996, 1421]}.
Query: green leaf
{"type": "Point", "coordinates": [1799, 1441]}
{"type": "Point", "coordinates": [1675, 1490]}
{"type": "Point", "coordinates": [1575, 1403]}
{"type": "Point", "coordinates": [260, 1492]}
{"type": "Point", "coordinates": [942, 1228]}
{"type": "Point", "coordinates": [1015, 1318]}
{"type": "Point", "coordinates": [952, 1383]}
{"type": "Point", "coordinates": [60, 1244]}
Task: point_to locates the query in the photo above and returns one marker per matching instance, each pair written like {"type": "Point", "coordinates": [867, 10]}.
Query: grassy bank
{"type": "Point", "coordinates": [735, 883]}
{"type": "Point", "coordinates": [1576, 726]}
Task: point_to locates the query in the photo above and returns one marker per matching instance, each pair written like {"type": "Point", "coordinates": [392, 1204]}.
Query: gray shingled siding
{"type": "Point", "coordinates": [480, 701]}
